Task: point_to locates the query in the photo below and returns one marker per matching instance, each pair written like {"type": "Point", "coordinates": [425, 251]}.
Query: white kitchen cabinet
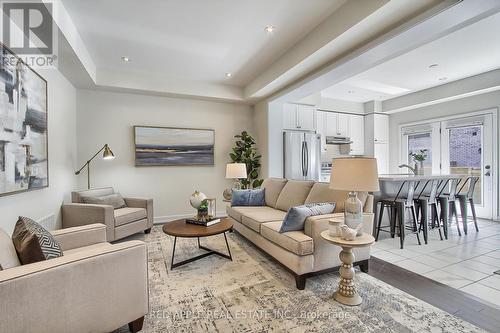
{"type": "Point", "coordinates": [357, 134]}
{"type": "Point", "coordinates": [299, 117]}
{"type": "Point", "coordinates": [306, 117]}
{"type": "Point", "coordinates": [343, 124]}
{"type": "Point", "coordinates": [337, 124]}
{"type": "Point", "coordinates": [321, 127]}
{"type": "Point", "coordinates": [380, 128]}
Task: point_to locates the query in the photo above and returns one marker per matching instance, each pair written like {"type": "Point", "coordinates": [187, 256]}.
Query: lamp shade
{"type": "Point", "coordinates": [354, 174]}
{"type": "Point", "coordinates": [107, 154]}
{"type": "Point", "coordinates": [236, 170]}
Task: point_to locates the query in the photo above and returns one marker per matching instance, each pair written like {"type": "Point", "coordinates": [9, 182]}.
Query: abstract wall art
{"type": "Point", "coordinates": [23, 126]}
{"type": "Point", "coordinates": [168, 146]}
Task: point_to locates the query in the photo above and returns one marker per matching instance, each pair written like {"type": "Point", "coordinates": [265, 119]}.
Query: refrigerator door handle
{"type": "Point", "coordinates": [303, 159]}
{"type": "Point", "coordinates": [306, 160]}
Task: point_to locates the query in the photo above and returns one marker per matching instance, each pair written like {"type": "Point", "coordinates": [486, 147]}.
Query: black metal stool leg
{"type": "Point", "coordinates": [473, 210]}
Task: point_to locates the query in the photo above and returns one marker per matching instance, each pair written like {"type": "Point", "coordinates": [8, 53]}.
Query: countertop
{"type": "Point", "coordinates": [402, 177]}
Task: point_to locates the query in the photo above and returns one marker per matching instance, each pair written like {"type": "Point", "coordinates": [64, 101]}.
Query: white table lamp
{"type": "Point", "coordinates": [235, 171]}
{"type": "Point", "coordinates": [354, 174]}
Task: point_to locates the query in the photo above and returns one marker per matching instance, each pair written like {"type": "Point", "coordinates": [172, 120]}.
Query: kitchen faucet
{"type": "Point", "coordinates": [409, 167]}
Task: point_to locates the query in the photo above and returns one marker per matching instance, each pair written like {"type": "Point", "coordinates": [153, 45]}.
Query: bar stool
{"type": "Point", "coordinates": [425, 203]}
{"type": "Point", "coordinates": [398, 207]}
{"type": "Point", "coordinates": [464, 198]}
{"type": "Point", "coordinates": [447, 203]}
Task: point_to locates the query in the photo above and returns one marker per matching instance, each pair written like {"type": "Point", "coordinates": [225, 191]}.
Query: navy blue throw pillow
{"type": "Point", "coordinates": [254, 197]}
{"type": "Point", "coordinates": [296, 216]}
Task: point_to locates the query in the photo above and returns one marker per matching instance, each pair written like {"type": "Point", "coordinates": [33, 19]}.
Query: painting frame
{"type": "Point", "coordinates": [46, 184]}
{"type": "Point", "coordinates": [172, 128]}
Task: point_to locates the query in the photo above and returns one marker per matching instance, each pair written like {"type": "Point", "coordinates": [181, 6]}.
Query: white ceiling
{"type": "Point", "coordinates": [469, 51]}
{"type": "Point", "coordinates": [194, 39]}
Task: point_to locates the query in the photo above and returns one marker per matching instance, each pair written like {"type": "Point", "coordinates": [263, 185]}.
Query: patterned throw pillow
{"type": "Point", "coordinates": [33, 243]}
{"type": "Point", "coordinates": [296, 216]}
{"type": "Point", "coordinates": [116, 200]}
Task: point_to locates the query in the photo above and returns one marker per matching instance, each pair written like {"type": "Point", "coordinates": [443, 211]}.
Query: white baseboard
{"type": "Point", "coordinates": [169, 218]}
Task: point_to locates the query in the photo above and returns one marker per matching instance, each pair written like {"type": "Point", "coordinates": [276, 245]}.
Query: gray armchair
{"type": "Point", "coordinates": [120, 223]}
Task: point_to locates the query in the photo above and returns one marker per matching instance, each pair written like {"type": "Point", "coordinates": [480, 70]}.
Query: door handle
{"type": "Point", "coordinates": [303, 172]}
{"type": "Point", "coordinates": [487, 173]}
{"type": "Point", "coordinates": [306, 160]}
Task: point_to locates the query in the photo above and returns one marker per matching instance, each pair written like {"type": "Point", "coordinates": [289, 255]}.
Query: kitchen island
{"type": "Point", "coordinates": [393, 184]}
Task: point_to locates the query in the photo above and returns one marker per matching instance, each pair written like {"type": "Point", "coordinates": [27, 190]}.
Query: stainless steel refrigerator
{"type": "Point", "coordinates": [301, 155]}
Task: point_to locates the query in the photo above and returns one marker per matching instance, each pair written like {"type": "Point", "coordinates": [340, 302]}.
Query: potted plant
{"type": "Point", "coordinates": [245, 151]}
{"type": "Point", "coordinates": [203, 211]}
{"type": "Point", "coordinates": [419, 158]}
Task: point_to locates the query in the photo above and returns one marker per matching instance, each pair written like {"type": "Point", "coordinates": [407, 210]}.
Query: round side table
{"type": "Point", "coordinates": [346, 292]}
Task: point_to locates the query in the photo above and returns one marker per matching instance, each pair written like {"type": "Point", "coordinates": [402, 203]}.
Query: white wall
{"type": "Point", "coordinates": [107, 117]}
{"type": "Point", "coordinates": [62, 160]}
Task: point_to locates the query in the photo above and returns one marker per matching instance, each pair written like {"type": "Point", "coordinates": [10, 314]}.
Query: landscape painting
{"type": "Point", "coordinates": [168, 146]}
{"type": "Point", "coordinates": [23, 126]}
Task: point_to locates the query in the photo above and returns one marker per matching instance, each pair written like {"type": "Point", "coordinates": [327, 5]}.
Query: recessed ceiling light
{"type": "Point", "coordinates": [228, 74]}
{"type": "Point", "coordinates": [125, 59]}
{"type": "Point", "coordinates": [350, 91]}
{"type": "Point", "coordinates": [269, 29]}
{"type": "Point", "coordinates": [433, 66]}
{"type": "Point", "coordinates": [444, 78]}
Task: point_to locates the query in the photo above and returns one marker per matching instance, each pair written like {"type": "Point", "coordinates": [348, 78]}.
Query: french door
{"type": "Point", "coordinates": [457, 146]}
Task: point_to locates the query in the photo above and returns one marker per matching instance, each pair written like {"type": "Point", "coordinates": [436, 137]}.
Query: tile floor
{"type": "Point", "coordinates": [463, 262]}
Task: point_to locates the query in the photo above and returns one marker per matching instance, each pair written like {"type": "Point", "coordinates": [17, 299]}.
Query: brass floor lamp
{"type": "Point", "coordinates": [106, 155]}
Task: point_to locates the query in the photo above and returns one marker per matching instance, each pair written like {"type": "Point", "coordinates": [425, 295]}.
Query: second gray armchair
{"type": "Point", "coordinates": [136, 217]}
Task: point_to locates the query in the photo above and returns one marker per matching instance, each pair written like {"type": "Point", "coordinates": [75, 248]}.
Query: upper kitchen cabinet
{"type": "Point", "coordinates": [299, 117]}
{"type": "Point", "coordinates": [357, 134]}
{"type": "Point", "coordinates": [380, 128]}
{"type": "Point", "coordinates": [337, 124]}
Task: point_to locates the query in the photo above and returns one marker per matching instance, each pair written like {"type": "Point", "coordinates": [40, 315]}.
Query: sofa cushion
{"type": "Point", "coordinates": [254, 197]}
{"type": "Point", "coordinates": [321, 192]}
{"type": "Point", "coordinates": [128, 215]}
{"type": "Point", "coordinates": [273, 187]}
{"type": "Point", "coordinates": [296, 216]}
{"type": "Point", "coordinates": [76, 197]}
{"type": "Point", "coordinates": [294, 193]}
{"type": "Point", "coordinates": [33, 243]}
{"type": "Point", "coordinates": [293, 241]}
{"type": "Point", "coordinates": [115, 200]}
{"type": "Point", "coordinates": [8, 254]}
{"type": "Point", "coordinates": [236, 212]}
{"type": "Point", "coordinates": [254, 218]}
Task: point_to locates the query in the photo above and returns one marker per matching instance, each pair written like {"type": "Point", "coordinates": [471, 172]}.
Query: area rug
{"type": "Point", "coordinates": [252, 293]}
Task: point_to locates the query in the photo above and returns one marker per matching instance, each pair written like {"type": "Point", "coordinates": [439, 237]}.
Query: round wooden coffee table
{"type": "Point", "coordinates": [346, 292]}
{"type": "Point", "coordinates": [179, 228]}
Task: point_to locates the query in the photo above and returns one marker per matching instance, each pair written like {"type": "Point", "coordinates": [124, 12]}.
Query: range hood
{"type": "Point", "coordinates": [338, 140]}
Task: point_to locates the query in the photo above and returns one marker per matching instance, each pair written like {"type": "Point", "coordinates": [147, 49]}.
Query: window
{"type": "Point", "coordinates": [420, 141]}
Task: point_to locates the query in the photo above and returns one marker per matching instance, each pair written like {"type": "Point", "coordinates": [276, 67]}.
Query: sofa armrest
{"type": "Point", "coordinates": [97, 290]}
{"type": "Point", "coordinates": [142, 203]}
{"type": "Point", "coordinates": [76, 237]}
{"type": "Point", "coordinates": [76, 214]}
{"type": "Point", "coordinates": [368, 208]}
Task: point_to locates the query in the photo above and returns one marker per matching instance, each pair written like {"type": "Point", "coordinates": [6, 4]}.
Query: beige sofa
{"type": "Point", "coordinates": [94, 287]}
{"type": "Point", "coordinates": [303, 252]}
{"type": "Point", "coordinates": [120, 223]}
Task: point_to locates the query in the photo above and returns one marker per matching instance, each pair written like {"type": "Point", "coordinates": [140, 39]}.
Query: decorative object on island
{"type": "Point", "coordinates": [106, 155]}
{"type": "Point", "coordinates": [169, 146]}
{"type": "Point", "coordinates": [245, 152]}
{"type": "Point", "coordinates": [354, 174]}
{"type": "Point", "coordinates": [419, 158]}
{"type": "Point", "coordinates": [23, 126]}
{"type": "Point", "coordinates": [234, 171]}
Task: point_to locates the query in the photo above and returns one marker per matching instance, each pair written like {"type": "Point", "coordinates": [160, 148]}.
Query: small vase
{"type": "Point", "coordinates": [419, 168]}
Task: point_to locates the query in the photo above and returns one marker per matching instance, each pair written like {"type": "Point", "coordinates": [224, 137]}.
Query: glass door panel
{"type": "Point", "coordinates": [418, 142]}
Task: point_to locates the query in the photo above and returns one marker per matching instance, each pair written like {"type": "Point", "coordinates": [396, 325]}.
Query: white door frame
{"type": "Point", "coordinates": [495, 154]}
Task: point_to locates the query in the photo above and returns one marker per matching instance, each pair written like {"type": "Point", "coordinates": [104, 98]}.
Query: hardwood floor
{"type": "Point", "coordinates": [446, 298]}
